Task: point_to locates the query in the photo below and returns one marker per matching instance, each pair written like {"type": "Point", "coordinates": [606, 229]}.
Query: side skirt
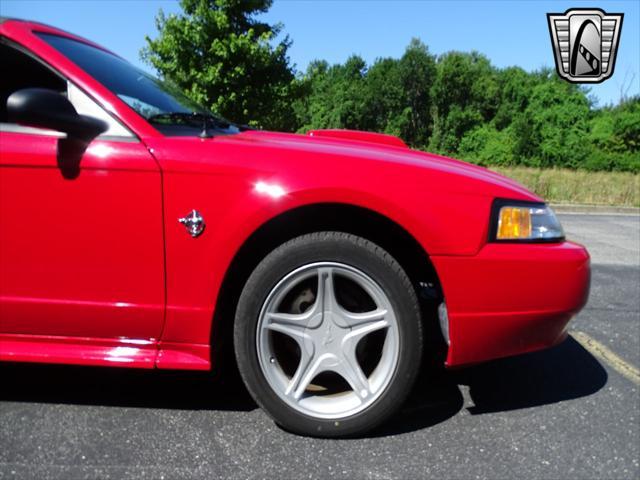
{"type": "Point", "coordinates": [108, 352]}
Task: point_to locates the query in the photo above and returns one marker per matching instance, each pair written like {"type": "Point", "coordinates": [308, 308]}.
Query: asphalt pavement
{"type": "Point", "coordinates": [567, 412]}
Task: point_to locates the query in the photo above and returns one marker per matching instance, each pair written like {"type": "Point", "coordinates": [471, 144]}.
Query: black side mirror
{"type": "Point", "coordinates": [40, 107]}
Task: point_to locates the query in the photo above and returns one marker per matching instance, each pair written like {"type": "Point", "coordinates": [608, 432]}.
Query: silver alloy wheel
{"type": "Point", "coordinates": [326, 336]}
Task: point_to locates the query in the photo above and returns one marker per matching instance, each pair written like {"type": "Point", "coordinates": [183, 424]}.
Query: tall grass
{"type": "Point", "coordinates": [576, 186]}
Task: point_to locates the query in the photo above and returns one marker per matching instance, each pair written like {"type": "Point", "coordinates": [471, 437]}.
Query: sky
{"type": "Point", "coordinates": [509, 32]}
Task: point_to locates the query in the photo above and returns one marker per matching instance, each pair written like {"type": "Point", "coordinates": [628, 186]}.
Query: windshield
{"type": "Point", "coordinates": [161, 103]}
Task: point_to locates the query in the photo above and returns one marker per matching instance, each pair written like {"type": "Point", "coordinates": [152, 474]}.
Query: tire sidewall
{"type": "Point", "coordinates": [377, 264]}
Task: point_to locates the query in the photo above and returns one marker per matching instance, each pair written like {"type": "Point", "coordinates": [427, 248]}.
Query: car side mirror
{"type": "Point", "coordinates": [40, 107]}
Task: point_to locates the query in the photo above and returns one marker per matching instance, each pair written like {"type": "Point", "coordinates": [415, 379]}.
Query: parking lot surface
{"type": "Point", "coordinates": [567, 412]}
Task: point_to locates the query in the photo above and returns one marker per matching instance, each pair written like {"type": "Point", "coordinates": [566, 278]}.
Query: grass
{"type": "Point", "coordinates": [577, 186]}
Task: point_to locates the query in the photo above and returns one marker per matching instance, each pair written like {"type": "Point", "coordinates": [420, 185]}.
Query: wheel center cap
{"type": "Point", "coordinates": [325, 335]}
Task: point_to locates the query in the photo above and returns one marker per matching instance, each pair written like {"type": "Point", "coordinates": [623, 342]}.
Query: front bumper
{"type": "Point", "coordinates": [511, 298]}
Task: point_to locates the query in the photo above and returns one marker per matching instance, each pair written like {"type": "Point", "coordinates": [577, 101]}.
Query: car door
{"type": "Point", "coordinates": [81, 232]}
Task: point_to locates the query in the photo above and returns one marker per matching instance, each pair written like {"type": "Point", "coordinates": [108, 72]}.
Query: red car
{"type": "Point", "coordinates": [138, 229]}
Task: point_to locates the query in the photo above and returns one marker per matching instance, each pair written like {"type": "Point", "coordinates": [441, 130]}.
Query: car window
{"type": "Point", "coordinates": [21, 70]}
{"type": "Point", "coordinates": [122, 78]}
{"type": "Point", "coordinates": [147, 95]}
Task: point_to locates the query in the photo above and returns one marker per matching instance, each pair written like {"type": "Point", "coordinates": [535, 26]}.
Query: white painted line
{"type": "Point", "coordinates": [597, 214]}
{"type": "Point", "coordinates": [606, 355]}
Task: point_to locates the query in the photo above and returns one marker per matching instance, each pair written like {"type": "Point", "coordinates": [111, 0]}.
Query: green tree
{"type": "Point", "coordinates": [615, 138]}
{"type": "Point", "coordinates": [417, 72]}
{"type": "Point", "coordinates": [223, 57]}
{"type": "Point", "coordinates": [391, 96]}
{"type": "Point", "coordinates": [486, 146]}
{"type": "Point", "coordinates": [336, 96]}
{"type": "Point", "coordinates": [515, 86]}
{"type": "Point", "coordinates": [386, 109]}
{"type": "Point", "coordinates": [465, 94]}
{"type": "Point", "coordinates": [553, 129]}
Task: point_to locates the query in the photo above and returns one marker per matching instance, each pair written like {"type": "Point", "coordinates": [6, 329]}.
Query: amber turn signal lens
{"type": "Point", "coordinates": [514, 223]}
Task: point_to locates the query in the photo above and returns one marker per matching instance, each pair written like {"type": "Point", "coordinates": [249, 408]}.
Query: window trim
{"type": "Point", "coordinates": [6, 127]}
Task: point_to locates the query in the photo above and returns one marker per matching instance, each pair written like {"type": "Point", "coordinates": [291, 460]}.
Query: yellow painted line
{"type": "Point", "coordinates": [606, 355]}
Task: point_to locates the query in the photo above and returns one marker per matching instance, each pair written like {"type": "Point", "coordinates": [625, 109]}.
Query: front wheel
{"type": "Point", "coordinates": [328, 335]}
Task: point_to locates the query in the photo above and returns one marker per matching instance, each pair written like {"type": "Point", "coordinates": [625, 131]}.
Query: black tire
{"type": "Point", "coordinates": [379, 266]}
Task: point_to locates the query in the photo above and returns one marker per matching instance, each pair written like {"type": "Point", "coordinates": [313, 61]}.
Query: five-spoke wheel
{"type": "Point", "coordinates": [327, 334]}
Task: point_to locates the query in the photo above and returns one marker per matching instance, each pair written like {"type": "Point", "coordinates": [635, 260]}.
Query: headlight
{"type": "Point", "coordinates": [513, 221]}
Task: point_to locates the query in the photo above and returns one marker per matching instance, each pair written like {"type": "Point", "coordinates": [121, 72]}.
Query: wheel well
{"type": "Point", "coordinates": [315, 218]}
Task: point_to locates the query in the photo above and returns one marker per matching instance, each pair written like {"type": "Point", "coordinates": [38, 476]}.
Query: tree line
{"type": "Point", "coordinates": [222, 55]}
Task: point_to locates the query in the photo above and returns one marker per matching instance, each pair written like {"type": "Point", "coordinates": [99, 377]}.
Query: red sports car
{"type": "Point", "coordinates": [138, 229]}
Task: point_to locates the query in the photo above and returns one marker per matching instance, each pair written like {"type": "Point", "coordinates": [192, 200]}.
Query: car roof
{"type": "Point", "coordinates": [33, 23]}
{"type": "Point", "coordinates": [28, 22]}
{"type": "Point", "coordinates": [45, 28]}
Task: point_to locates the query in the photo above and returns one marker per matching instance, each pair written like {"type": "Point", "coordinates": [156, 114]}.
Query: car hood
{"type": "Point", "coordinates": [374, 151]}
